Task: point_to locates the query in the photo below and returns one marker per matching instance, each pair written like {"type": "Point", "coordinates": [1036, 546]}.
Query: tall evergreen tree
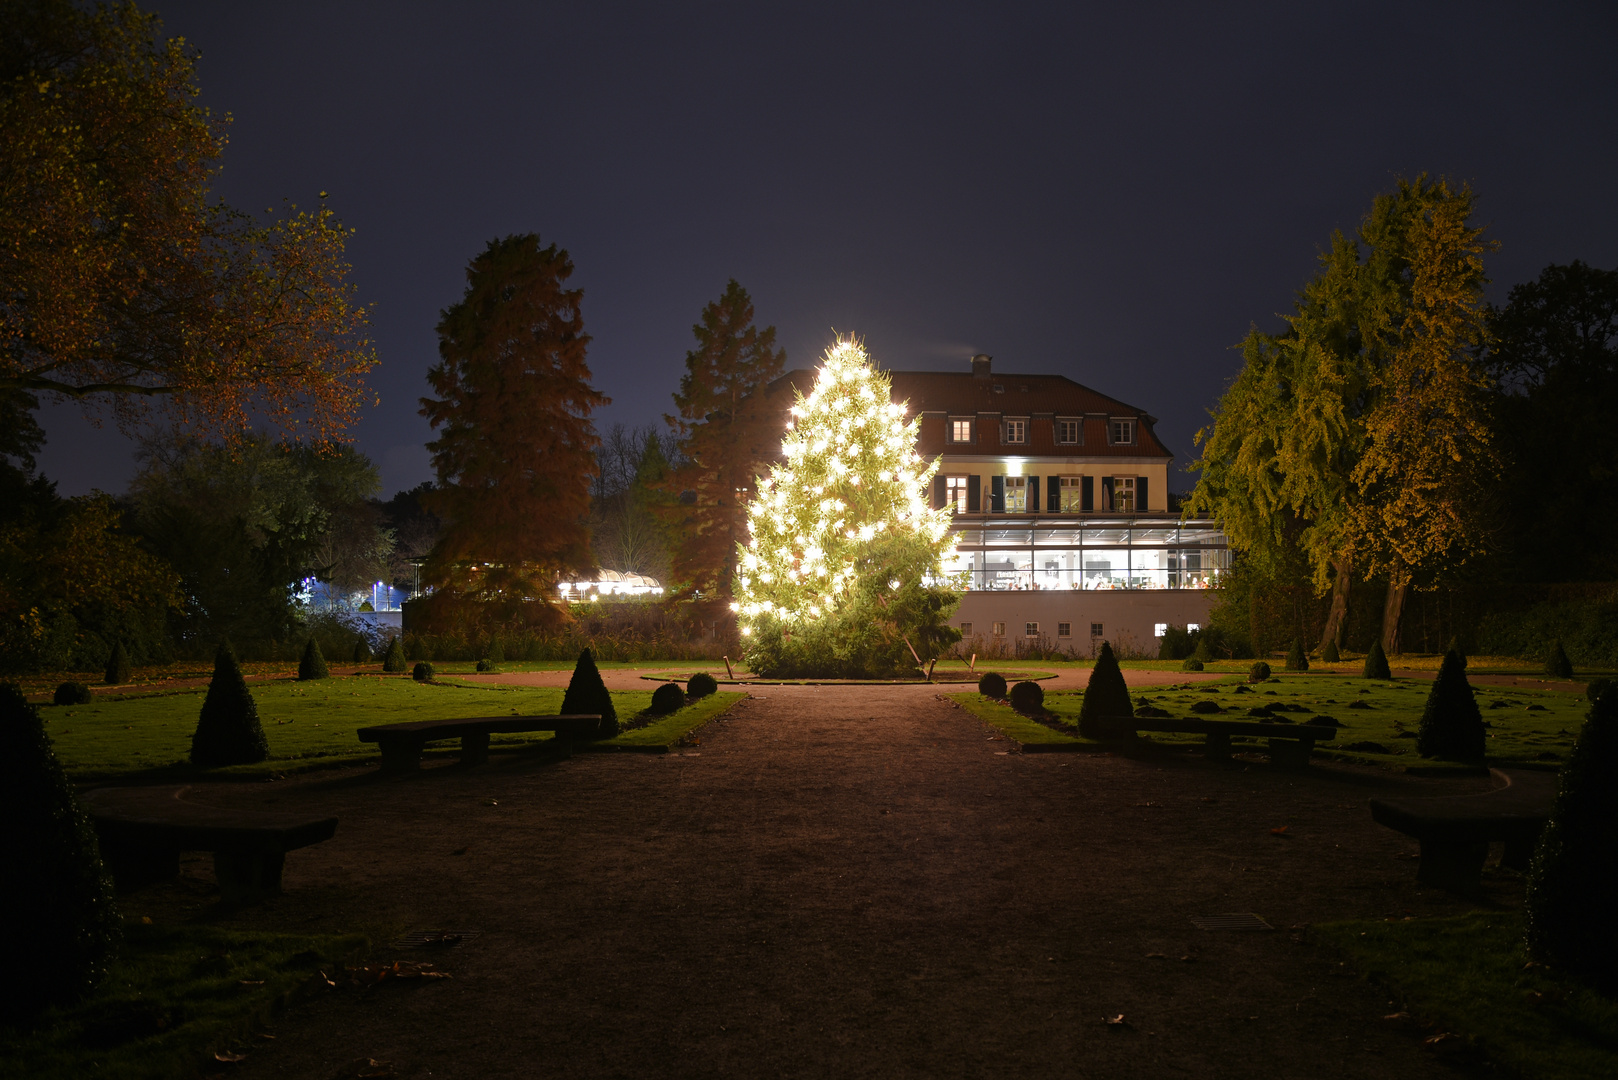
{"type": "Point", "coordinates": [729, 433]}
{"type": "Point", "coordinates": [514, 452]}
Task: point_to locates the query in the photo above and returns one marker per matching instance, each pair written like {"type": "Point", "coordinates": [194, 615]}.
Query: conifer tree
{"type": "Point", "coordinates": [57, 901]}
{"type": "Point", "coordinates": [313, 664]}
{"type": "Point", "coordinates": [394, 660]}
{"type": "Point", "coordinates": [228, 731]}
{"type": "Point", "coordinates": [1376, 663]}
{"type": "Point", "coordinates": [844, 561]}
{"type": "Point", "coordinates": [1106, 707]}
{"type": "Point", "coordinates": [1329, 653]}
{"type": "Point", "coordinates": [1296, 660]}
{"type": "Point", "coordinates": [587, 694]}
{"type": "Point", "coordinates": [514, 451]}
{"type": "Point", "coordinates": [1557, 665]}
{"type": "Point", "coordinates": [362, 651]}
{"type": "Point", "coordinates": [118, 666]}
{"type": "Point", "coordinates": [729, 432]}
{"type": "Point", "coordinates": [1451, 725]}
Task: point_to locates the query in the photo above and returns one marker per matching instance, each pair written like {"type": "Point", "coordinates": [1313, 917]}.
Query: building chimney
{"type": "Point", "coordinates": [980, 365]}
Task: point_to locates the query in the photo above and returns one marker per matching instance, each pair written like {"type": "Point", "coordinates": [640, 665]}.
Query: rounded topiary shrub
{"type": "Point", "coordinates": [58, 904]}
{"type": "Point", "coordinates": [1376, 663]}
{"type": "Point", "coordinates": [313, 664]}
{"type": "Point", "coordinates": [118, 667]}
{"type": "Point", "coordinates": [1451, 725]}
{"type": "Point", "coordinates": [393, 658]}
{"type": "Point", "coordinates": [486, 665]}
{"type": "Point", "coordinates": [668, 698]}
{"type": "Point", "coordinates": [699, 685]}
{"type": "Point", "coordinates": [1258, 672]}
{"type": "Point", "coordinates": [228, 731]}
{"type": "Point", "coordinates": [422, 672]}
{"type": "Point", "coordinates": [1557, 665]}
{"type": "Point", "coordinates": [1329, 653]}
{"type": "Point", "coordinates": [1573, 879]}
{"type": "Point", "coordinates": [586, 693]}
{"type": "Point", "coordinates": [1106, 712]}
{"type": "Point", "coordinates": [362, 651]}
{"type": "Point", "coordinates": [71, 693]}
{"type": "Point", "coordinates": [1297, 659]}
{"type": "Point", "coordinates": [1191, 664]}
{"type": "Point", "coordinates": [1028, 697]}
{"type": "Point", "coordinates": [992, 684]}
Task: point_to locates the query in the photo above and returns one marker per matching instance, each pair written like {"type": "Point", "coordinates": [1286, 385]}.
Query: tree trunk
{"type": "Point", "coordinates": [1392, 610]}
{"type": "Point", "coordinates": [1337, 619]}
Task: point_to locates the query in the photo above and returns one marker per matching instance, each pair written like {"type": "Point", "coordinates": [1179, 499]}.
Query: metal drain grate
{"type": "Point", "coordinates": [434, 939]}
{"type": "Point", "coordinates": [1236, 920]}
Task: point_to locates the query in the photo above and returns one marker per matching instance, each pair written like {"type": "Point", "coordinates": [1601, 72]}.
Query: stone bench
{"type": "Point", "coordinates": [1456, 830]}
{"type": "Point", "coordinates": [1289, 744]}
{"type": "Point", "coordinates": [143, 830]}
{"type": "Point", "coordinates": [402, 744]}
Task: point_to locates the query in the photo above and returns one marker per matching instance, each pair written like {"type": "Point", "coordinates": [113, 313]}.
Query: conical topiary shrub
{"type": "Point", "coordinates": [991, 684]}
{"type": "Point", "coordinates": [1297, 660]}
{"type": "Point", "coordinates": [59, 905]}
{"type": "Point", "coordinates": [118, 666]}
{"type": "Point", "coordinates": [1557, 665]}
{"type": "Point", "coordinates": [228, 731]}
{"type": "Point", "coordinates": [313, 664]}
{"type": "Point", "coordinates": [497, 650]}
{"type": "Point", "coordinates": [1202, 652]}
{"type": "Point", "coordinates": [1573, 879]}
{"type": "Point", "coordinates": [1329, 653]}
{"type": "Point", "coordinates": [393, 660]}
{"type": "Point", "coordinates": [586, 693]}
{"type": "Point", "coordinates": [1451, 725]}
{"type": "Point", "coordinates": [1106, 709]}
{"type": "Point", "coordinates": [668, 698]}
{"type": "Point", "coordinates": [362, 651]}
{"type": "Point", "coordinates": [1376, 663]}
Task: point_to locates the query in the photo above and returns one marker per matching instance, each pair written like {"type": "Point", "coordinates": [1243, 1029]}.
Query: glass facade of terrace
{"type": "Point", "coordinates": [1143, 552]}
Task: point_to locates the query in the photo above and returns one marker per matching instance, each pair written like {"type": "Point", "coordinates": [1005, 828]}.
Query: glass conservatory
{"type": "Point", "coordinates": [1009, 554]}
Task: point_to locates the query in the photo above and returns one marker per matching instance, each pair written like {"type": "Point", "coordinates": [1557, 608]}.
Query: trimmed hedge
{"type": "Point", "coordinates": [118, 666]}
{"type": "Point", "coordinates": [71, 693]}
{"type": "Point", "coordinates": [1258, 672]}
{"type": "Point", "coordinates": [668, 698]}
{"type": "Point", "coordinates": [1297, 660]}
{"type": "Point", "coordinates": [1028, 698]}
{"type": "Point", "coordinates": [313, 664]}
{"type": "Point", "coordinates": [700, 685]}
{"type": "Point", "coordinates": [422, 672]}
{"type": "Point", "coordinates": [362, 651]}
{"type": "Point", "coordinates": [1106, 707]}
{"type": "Point", "coordinates": [1191, 664]}
{"type": "Point", "coordinates": [1376, 663]}
{"type": "Point", "coordinates": [228, 731]}
{"type": "Point", "coordinates": [1557, 665]}
{"type": "Point", "coordinates": [1330, 654]}
{"type": "Point", "coordinates": [1451, 725]}
{"type": "Point", "coordinates": [991, 684]}
{"type": "Point", "coordinates": [586, 693]}
{"type": "Point", "coordinates": [393, 659]}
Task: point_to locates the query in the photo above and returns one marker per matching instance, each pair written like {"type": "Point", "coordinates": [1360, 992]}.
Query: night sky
{"type": "Point", "coordinates": [1112, 195]}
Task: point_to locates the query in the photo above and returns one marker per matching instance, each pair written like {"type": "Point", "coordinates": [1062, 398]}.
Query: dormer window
{"type": "Point", "coordinates": [1122, 432]}
{"type": "Point", "coordinates": [1016, 431]}
{"type": "Point", "coordinates": [1067, 432]}
{"type": "Point", "coordinates": [960, 431]}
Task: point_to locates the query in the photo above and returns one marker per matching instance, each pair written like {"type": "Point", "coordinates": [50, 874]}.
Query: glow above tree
{"type": "Point", "coordinates": [846, 509]}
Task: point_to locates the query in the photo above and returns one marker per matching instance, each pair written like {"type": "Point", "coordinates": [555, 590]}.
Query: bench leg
{"type": "Point", "coordinates": [1217, 748]}
{"type": "Point", "coordinates": [246, 877]}
{"type": "Point", "coordinates": [475, 748]}
{"type": "Point", "coordinates": [1455, 867]}
{"type": "Point", "coordinates": [1290, 753]}
{"type": "Point", "coordinates": [401, 755]}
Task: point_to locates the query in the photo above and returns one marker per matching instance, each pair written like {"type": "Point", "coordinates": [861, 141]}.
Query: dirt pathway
{"type": "Point", "coordinates": [849, 882]}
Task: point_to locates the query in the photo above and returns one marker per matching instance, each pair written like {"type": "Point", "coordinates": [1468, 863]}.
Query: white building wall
{"type": "Point", "coordinates": [1128, 618]}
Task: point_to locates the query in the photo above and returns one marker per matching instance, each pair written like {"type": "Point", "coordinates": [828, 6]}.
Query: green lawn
{"type": "Point", "coordinates": [176, 997]}
{"type": "Point", "coordinates": [312, 724]}
{"type": "Point", "coordinates": [1385, 714]}
{"type": "Point", "coordinates": [1466, 975]}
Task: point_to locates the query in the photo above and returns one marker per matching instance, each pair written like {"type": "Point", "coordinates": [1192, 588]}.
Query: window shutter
{"type": "Point", "coordinates": [938, 493]}
{"type": "Point", "coordinates": [1031, 495]}
{"type": "Point", "coordinates": [974, 494]}
{"type": "Point", "coordinates": [1087, 494]}
{"type": "Point", "coordinates": [1142, 503]}
{"type": "Point", "coordinates": [1106, 494]}
{"type": "Point", "coordinates": [997, 494]}
{"type": "Point", "coordinates": [1053, 494]}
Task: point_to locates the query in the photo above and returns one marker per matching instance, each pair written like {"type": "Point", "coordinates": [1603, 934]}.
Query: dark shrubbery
{"type": "Point", "coordinates": [362, 651]}
{"type": "Point", "coordinates": [1297, 660]}
{"type": "Point", "coordinates": [486, 665]}
{"type": "Point", "coordinates": [700, 685]}
{"type": "Point", "coordinates": [1176, 643]}
{"type": "Point", "coordinates": [1329, 653]}
{"type": "Point", "coordinates": [118, 667]}
{"type": "Point", "coordinates": [1376, 663]}
{"type": "Point", "coordinates": [1106, 710]}
{"type": "Point", "coordinates": [1028, 698]}
{"type": "Point", "coordinates": [586, 694]}
{"type": "Point", "coordinates": [1258, 672]}
{"type": "Point", "coordinates": [422, 672]}
{"type": "Point", "coordinates": [1557, 665]}
{"type": "Point", "coordinates": [1451, 725]}
{"type": "Point", "coordinates": [1595, 688]}
{"type": "Point", "coordinates": [71, 693]}
{"type": "Point", "coordinates": [992, 684]}
{"type": "Point", "coordinates": [668, 698]}
{"type": "Point", "coordinates": [1191, 664]}
{"type": "Point", "coordinates": [59, 907]}
{"type": "Point", "coordinates": [393, 659]}
{"type": "Point", "coordinates": [228, 731]}
{"type": "Point", "coordinates": [1573, 879]}
{"type": "Point", "coordinates": [496, 652]}
{"type": "Point", "coordinates": [313, 664]}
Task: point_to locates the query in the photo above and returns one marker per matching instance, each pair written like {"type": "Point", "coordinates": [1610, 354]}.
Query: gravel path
{"type": "Point", "coordinates": [848, 882]}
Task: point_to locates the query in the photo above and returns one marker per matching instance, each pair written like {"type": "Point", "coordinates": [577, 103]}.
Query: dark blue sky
{"type": "Point", "coordinates": [1112, 192]}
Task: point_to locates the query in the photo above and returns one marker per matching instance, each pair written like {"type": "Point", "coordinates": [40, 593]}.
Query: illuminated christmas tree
{"type": "Point", "coordinates": [843, 572]}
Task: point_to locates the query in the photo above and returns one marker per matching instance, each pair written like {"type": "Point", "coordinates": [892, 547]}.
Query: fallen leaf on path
{"type": "Point", "coordinates": [1282, 831]}
{"type": "Point", "coordinates": [228, 1058]}
{"type": "Point", "coordinates": [1441, 1038]}
{"type": "Point", "coordinates": [1156, 956]}
{"type": "Point", "coordinates": [1117, 1021]}
{"type": "Point", "coordinates": [1398, 1017]}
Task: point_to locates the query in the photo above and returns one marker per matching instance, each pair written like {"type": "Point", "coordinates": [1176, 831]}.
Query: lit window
{"type": "Point", "coordinates": [1067, 432]}
{"type": "Point", "coordinates": [1095, 629]}
{"type": "Point", "coordinates": [1072, 495]}
{"type": "Point", "coordinates": [1030, 629]}
{"type": "Point", "coordinates": [1016, 494]}
{"type": "Point", "coordinates": [966, 629]}
{"type": "Point", "coordinates": [1192, 627]}
{"type": "Point", "coordinates": [1123, 432]}
{"type": "Point", "coordinates": [1159, 629]}
{"type": "Point", "coordinates": [999, 629]}
{"type": "Point", "coordinates": [955, 494]}
{"type": "Point", "coordinates": [960, 431]}
{"type": "Point", "coordinates": [1016, 431]}
{"type": "Point", "coordinates": [1123, 494]}
{"type": "Point", "coordinates": [1064, 629]}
